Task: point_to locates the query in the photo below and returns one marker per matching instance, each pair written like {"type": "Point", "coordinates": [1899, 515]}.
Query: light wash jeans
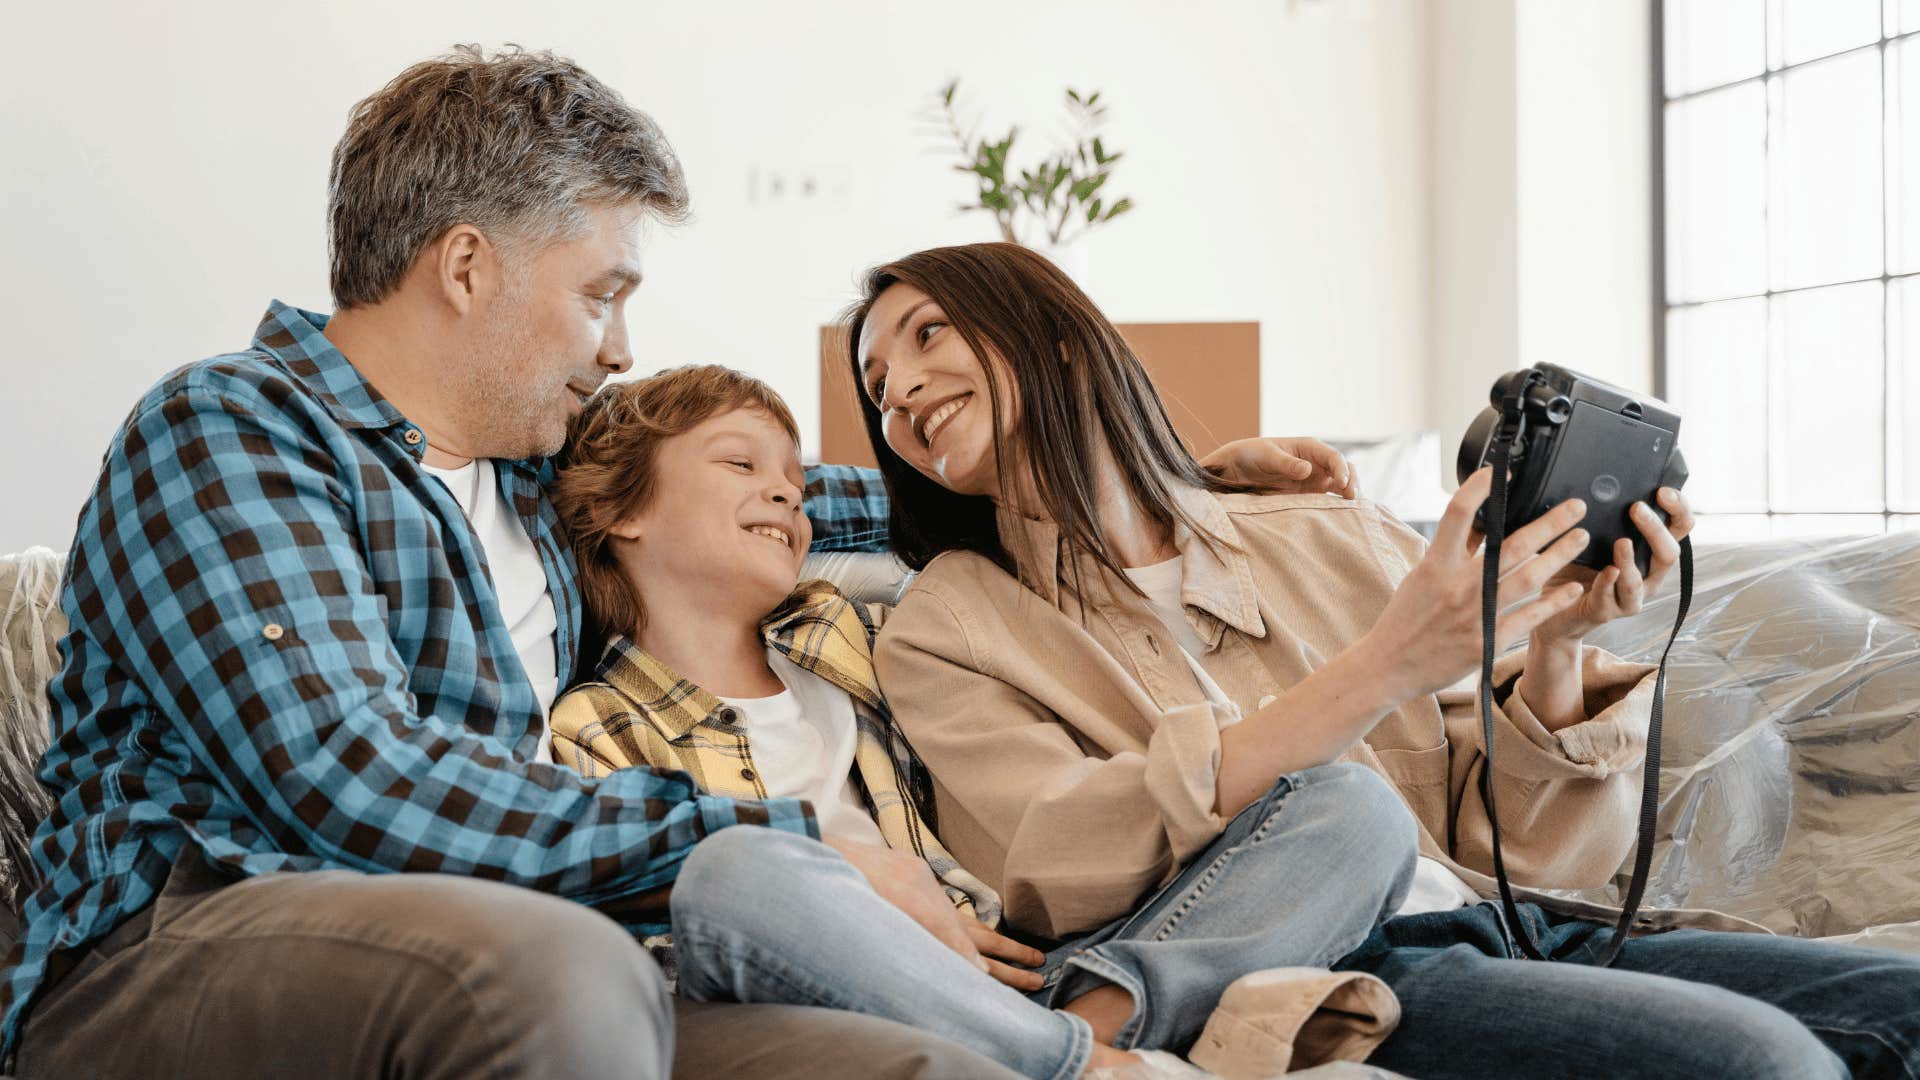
{"type": "Point", "coordinates": [1687, 1003]}
{"type": "Point", "coordinates": [1301, 877]}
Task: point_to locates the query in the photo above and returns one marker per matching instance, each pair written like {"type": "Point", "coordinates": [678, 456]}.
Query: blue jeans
{"type": "Point", "coordinates": [1687, 1003]}
{"type": "Point", "coordinates": [1298, 878]}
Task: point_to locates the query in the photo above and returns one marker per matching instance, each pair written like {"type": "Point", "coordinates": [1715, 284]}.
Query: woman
{"type": "Point", "coordinates": [682, 499]}
{"type": "Point", "coordinates": [1111, 663]}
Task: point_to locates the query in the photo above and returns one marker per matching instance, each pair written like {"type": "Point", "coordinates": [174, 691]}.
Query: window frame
{"type": "Point", "coordinates": [1891, 516]}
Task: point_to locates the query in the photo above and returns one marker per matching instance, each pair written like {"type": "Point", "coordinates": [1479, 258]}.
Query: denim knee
{"type": "Point", "coordinates": [1760, 1046]}
{"type": "Point", "coordinates": [732, 874]}
{"type": "Point", "coordinates": [1379, 831]}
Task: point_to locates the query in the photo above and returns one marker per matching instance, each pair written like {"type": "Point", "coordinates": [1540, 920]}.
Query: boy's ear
{"type": "Point", "coordinates": [626, 530]}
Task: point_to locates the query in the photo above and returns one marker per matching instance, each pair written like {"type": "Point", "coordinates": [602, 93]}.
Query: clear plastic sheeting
{"type": "Point", "coordinates": [867, 576]}
{"type": "Point", "coordinates": [1790, 786]}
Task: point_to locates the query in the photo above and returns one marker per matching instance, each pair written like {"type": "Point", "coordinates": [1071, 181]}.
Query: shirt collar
{"type": "Point", "coordinates": [1218, 583]}
{"type": "Point", "coordinates": [816, 627]}
{"type": "Point", "coordinates": [296, 338]}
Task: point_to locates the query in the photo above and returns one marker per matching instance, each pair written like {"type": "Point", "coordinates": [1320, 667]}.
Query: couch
{"type": "Point", "coordinates": [1791, 772]}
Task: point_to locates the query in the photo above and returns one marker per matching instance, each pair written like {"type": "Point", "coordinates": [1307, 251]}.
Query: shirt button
{"type": "Point", "coordinates": [413, 437]}
{"type": "Point", "coordinates": [746, 774]}
{"type": "Point", "coordinates": [273, 631]}
{"type": "Point", "coordinates": [1268, 700]}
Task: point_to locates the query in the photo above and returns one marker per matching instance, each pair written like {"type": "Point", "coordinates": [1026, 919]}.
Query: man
{"type": "Point", "coordinates": [318, 610]}
{"type": "Point", "coordinates": [307, 821]}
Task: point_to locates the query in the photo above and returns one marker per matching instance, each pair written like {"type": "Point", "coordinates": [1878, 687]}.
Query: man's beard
{"type": "Point", "coordinates": [509, 394]}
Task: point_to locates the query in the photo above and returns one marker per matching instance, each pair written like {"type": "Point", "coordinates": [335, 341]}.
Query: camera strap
{"type": "Point", "coordinates": [1499, 457]}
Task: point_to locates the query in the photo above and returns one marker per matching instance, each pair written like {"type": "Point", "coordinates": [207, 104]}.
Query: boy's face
{"type": "Point", "coordinates": [725, 523]}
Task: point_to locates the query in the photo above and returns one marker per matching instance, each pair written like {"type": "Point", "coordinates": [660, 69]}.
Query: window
{"type": "Point", "coordinates": [1789, 155]}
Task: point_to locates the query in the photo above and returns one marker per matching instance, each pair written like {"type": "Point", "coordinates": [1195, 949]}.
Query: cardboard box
{"type": "Point", "coordinates": [1207, 373]}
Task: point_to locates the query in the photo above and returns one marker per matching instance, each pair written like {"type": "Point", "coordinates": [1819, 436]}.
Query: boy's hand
{"type": "Point", "coordinates": [904, 881]}
{"type": "Point", "coordinates": [992, 944]}
{"type": "Point", "coordinates": [1284, 466]}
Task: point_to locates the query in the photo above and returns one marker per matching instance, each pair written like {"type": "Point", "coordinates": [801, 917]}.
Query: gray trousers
{"type": "Point", "coordinates": [340, 974]}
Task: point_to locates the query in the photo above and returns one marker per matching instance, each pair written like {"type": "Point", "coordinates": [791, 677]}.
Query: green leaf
{"type": "Point", "coordinates": [1099, 152]}
{"type": "Point", "coordinates": [1117, 209]}
{"type": "Point", "coordinates": [1095, 99]}
{"type": "Point", "coordinates": [1093, 212]}
{"type": "Point", "coordinates": [1072, 93]}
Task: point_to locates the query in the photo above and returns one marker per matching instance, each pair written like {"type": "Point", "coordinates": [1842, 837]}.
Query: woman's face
{"type": "Point", "coordinates": [931, 390]}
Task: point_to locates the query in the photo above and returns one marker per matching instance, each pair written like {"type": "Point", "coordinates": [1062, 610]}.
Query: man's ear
{"type": "Point", "coordinates": [466, 267]}
{"type": "Point", "coordinates": [626, 530]}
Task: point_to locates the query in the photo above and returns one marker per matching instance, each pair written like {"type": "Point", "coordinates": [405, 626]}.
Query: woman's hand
{"type": "Point", "coordinates": [1284, 466]}
{"type": "Point", "coordinates": [1552, 683]}
{"type": "Point", "coordinates": [1429, 635]}
{"type": "Point", "coordinates": [1620, 589]}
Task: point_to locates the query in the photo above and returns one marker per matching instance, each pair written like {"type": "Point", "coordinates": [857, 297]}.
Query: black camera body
{"type": "Point", "coordinates": [1578, 438]}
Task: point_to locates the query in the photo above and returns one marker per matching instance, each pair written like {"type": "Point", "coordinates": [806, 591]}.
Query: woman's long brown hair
{"type": "Point", "coordinates": [1078, 382]}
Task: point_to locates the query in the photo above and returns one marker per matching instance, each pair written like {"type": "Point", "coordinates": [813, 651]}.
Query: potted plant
{"type": "Point", "coordinates": [1048, 206]}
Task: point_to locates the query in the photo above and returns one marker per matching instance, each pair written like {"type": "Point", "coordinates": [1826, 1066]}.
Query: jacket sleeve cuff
{"type": "Point", "coordinates": [1183, 772]}
{"type": "Point", "coordinates": [1613, 738]}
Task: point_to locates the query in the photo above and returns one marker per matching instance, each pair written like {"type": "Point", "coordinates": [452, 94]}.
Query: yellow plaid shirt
{"type": "Point", "coordinates": [640, 712]}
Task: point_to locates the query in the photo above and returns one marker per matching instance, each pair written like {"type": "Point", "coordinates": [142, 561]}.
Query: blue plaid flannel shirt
{"type": "Point", "coordinates": [285, 652]}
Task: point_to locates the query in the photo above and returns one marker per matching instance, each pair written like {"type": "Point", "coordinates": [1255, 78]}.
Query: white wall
{"type": "Point", "coordinates": [1584, 78]}
{"type": "Point", "coordinates": [1474, 259]}
{"type": "Point", "coordinates": [1540, 140]}
{"type": "Point", "coordinates": [167, 168]}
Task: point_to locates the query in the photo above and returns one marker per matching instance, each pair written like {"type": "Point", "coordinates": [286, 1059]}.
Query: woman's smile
{"type": "Point", "coordinates": [936, 421]}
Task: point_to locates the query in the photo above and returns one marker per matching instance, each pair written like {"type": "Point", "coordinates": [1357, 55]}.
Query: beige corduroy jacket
{"type": "Point", "coordinates": [1074, 757]}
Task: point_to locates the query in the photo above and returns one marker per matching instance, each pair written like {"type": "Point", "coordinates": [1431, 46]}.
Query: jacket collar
{"type": "Point", "coordinates": [1219, 584]}
{"type": "Point", "coordinates": [815, 627]}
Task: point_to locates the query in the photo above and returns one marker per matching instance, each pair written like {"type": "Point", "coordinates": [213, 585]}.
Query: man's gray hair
{"type": "Point", "coordinates": [518, 144]}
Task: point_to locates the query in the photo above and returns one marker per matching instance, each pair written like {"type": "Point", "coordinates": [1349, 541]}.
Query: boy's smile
{"type": "Point", "coordinates": [724, 526]}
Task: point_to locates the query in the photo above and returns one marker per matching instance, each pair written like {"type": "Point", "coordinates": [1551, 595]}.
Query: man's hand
{"type": "Point", "coordinates": [1284, 466]}
{"type": "Point", "coordinates": [903, 880]}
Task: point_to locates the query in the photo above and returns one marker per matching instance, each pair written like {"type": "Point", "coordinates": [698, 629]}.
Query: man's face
{"type": "Point", "coordinates": [551, 333]}
{"type": "Point", "coordinates": [724, 522]}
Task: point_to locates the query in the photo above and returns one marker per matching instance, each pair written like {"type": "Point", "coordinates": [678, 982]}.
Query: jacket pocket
{"type": "Point", "coordinates": [1421, 778]}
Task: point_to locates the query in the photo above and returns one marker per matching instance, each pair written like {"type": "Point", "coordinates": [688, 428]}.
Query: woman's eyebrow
{"type": "Point", "coordinates": [908, 314]}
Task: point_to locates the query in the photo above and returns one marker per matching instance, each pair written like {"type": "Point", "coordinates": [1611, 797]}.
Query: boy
{"type": "Point", "coordinates": [681, 495]}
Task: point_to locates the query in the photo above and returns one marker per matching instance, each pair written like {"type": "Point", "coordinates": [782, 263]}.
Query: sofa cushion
{"type": "Point", "coordinates": [30, 628]}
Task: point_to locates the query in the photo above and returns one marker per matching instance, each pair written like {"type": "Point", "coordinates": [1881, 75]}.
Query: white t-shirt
{"type": "Point", "coordinates": [519, 580]}
{"type": "Point", "coordinates": [803, 741]}
{"type": "Point", "coordinates": [1435, 888]}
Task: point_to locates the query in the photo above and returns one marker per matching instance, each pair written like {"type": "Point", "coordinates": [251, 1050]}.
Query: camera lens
{"type": "Point", "coordinates": [1473, 447]}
